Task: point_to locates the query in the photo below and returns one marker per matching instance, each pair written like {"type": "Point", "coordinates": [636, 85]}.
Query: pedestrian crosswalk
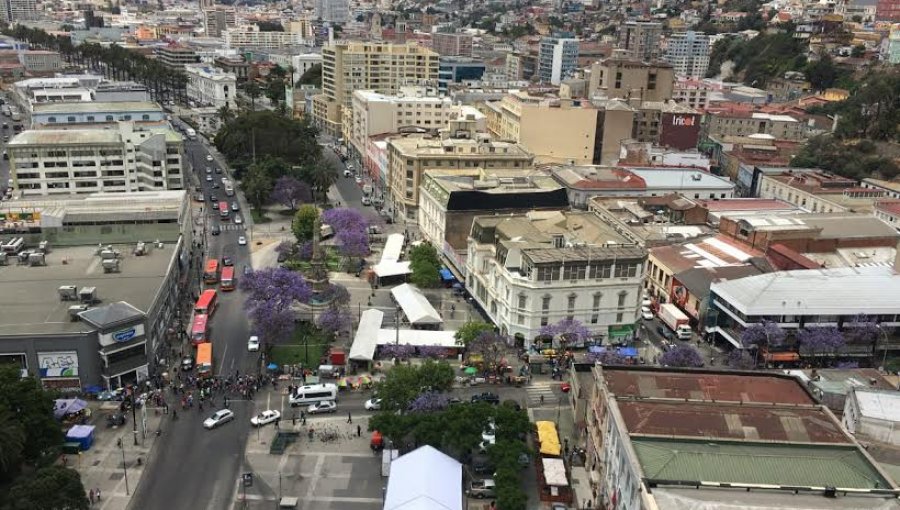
{"type": "Point", "coordinates": [231, 227]}
{"type": "Point", "coordinates": [536, 390]}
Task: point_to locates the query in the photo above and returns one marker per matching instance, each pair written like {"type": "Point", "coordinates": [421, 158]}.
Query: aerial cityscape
{"type": "Point", "coordinates": [449, 255]}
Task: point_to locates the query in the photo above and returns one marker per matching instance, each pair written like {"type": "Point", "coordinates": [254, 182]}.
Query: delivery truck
{"type": "Point", "coordinates": [676, 320]}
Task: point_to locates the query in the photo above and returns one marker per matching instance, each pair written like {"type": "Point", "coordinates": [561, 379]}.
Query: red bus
{"type": "Point", "coordinates": [206, 305]}
{"type": "Point", "coordinates": [228, 278]}
{"type": "Point", "coordinates": [200, 329]}
{"type": "Point", "coordinates": [223, 210]}
{"type": "Point", "coordinates": [211, 273]}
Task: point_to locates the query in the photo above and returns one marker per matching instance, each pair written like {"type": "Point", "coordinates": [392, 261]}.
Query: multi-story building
{"type": "Point", "coordinates": [640, 39]}
{"type": "Point", "coordinates": [692, 93]}
{"type": "Point", "coordinates": [687, 438]}
{"type": "Point", "coordinates": [450, 199]}
{"type": "Point", "coordinates": [380, 67]}
{"type": "Point", "coordinates": [251, 37]}
{"type": "Point", "coordinates": [82, 114]}
{"type": "Point", "coordinates": [459, 146]}
{"type": "Point", "coordinates": [452, 44]}
{"type": "Point", "coordinates": [209, 85]}
{"type": "Point", "coordinates": [530, 270]}
{"type": "Point", "coordinates": [617, 78]}
{"type": "Point", "coordinates": [81, 161]}
{"type": "Point", "coordinates": [18, 10]}
{"type": "Point", "coordinates": [458, 70]}
{"type": "Point", "coordinates": [333, 11]}
{"type": "Point", "coordinates": [41, 61]}
{"type": "Point", "coordinates": [520, 66]}
{"type": "Point", "coordinates": [176, 56]}
{"type": "Point", "coordinates": [688, 52]}
{"type": "Point", "coordinates": [893, 45]}
{"type": "Point", "coordinates": [237, 66]}
{"type": "Point", "coordinates": [741, 123]}
{"type": "Point", "coordinates": [218, 19]}
{"type": "Point", "coordinates": [557, 59]}
{"type": "Point", "coordinates": [560, 130]}
{"type": "Point", "coordinates": [885, 10]}
{"type": "Point", "coordinates": [818, 191]}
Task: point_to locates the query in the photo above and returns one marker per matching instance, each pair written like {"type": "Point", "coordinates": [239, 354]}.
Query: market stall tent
{"type": "Point", "coordinates": [415, 305]}
{"type": "Point", "coordinates": [424, 479]}
{"type": "Point", "coordinates": [81, 434]}
{"type": "Point", "coordinates": [366, 339]}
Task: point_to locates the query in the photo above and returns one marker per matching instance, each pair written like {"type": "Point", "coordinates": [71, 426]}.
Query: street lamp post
{"type": "Point", "coordinates": [124, 468]}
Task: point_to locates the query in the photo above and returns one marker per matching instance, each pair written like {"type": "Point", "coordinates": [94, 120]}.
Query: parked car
{"type": "Point", "coordinates": [482, 489]}
{"type": "Point", "coordinates": [373, 404]}
{"type": "Point", "coordinates": [487, 396]}
{"type": "Point", "coordinates": [265, 418]}
{"type": "Point", "coordinates": [481, 464]}
{"type": "Point", "coordinates": [348, 173]}
{"type": "Point", "coordinates": [215, 205]}
{"type": "Point", "coordinates": [219, 417]}
{"type": "Point", "coordinates": [208, 178]}
{"type": "Point", "coordinates": [646, 313]}
{"type": "Point", "coordinates": [665, 332]}
{"type": "Point", "coordinates": [325, 406]}
{"type": "Point", "coordinates": [253, 344]}
{"type": "Point", "coordinates": [187, 363]}
{"type": "Point", "coordinates": [115, 420]}
{"type": "Point", "coordinates": [366, 201]}
{"type": "Point", "coordinates": [235, 206]}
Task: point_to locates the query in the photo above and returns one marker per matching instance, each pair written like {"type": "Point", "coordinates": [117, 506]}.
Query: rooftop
{"type": "Point", "coordinates": [94, 106]}
{"type": "Point", "coordinates": [879, 404]}
{"type": "Point", "coordinates": [35, 308]}
{"type": "Point", "coordinates": [114, 134]}
{"type": "Point", "coordinates": [863, 290]}
{"type": "Point", "coordinates": [463, 148]}
{"type": "Point", "coordinates": [756, 387]}
{"type": "Point", "coordinates": [712, 252]}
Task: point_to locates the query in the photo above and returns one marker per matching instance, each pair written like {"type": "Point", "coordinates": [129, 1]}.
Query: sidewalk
{"type": "Point", "coordinates": [102, 466]}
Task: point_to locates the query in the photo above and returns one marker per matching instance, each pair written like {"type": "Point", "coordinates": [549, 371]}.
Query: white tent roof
{"type": "Point", "coordinates": [364, 343]}
{"type": "Point", "coordinates": [416, 337]}
{"type": "Point", "coordinates": [387, 268]}
{"type": "Point", "coordinates": [393, 247]}
{"type": "Point", "coordinates": [415, 305]}
{"type": "Point", "coordinates": [424, 479]}
{"type": "Point", "coordinates": [555, 472]}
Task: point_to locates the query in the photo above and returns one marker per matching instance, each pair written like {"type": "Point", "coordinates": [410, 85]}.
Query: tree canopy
{"type": "Point", "coordinates": [50, 488]}
{"type": "Point", "coordinates": [425, 266]}
{"type": "Point", "coordinates": [304, 222]}
{"type": "Point", "coordinates": [272, 135]}
{"type": "Point", "coordinates": [471, 330]}
{"type": "Point", "coordinates": [312, 76]}
{"type": "Point", "coordinates": [404, 383]}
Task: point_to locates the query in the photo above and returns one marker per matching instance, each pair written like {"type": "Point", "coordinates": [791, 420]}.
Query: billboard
{"type": "Point", "coordinates": [58, 364]}
{"type": "Point", "coordinates": [123, 335]}
{"type": "Point", "coordinates": [679, 130]}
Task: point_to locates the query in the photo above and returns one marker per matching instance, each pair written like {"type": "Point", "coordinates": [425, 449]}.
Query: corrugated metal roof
{"type": "Point", "coordinates": [726, 462]}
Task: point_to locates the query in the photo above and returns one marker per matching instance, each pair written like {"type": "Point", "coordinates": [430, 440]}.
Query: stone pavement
{"type": "Point", "coordinates": [113, 469]}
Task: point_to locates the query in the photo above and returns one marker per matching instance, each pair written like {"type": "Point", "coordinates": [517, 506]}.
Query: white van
{"type": "Point", "coordinates": [313, 393]}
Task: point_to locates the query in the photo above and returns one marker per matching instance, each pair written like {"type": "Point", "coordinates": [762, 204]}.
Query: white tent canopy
{"type": "Point", "coordinates": [416, 337]}
{"type": "Point", "coordinates": [388, 268]}
{"type": "Point", "coordinates": [393, 247]}
{"type": "Point", "coordinates": [554, 472]}
{"type": "Point", "coordinates": [415, 305]}
{"type": "Point", "coordinates": [365, 341]}
{"type": "Point", "coordinates": [424, 479]}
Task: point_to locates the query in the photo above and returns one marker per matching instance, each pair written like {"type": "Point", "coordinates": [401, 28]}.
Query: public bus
{"type": "Point", "coordinates": [313, 393]}
{"type": "Point", "coordinates": [228, 278]}
{"type": "Point", "coordinates": [211, 273]}
{"type": "Point", "coordinates": [224, 211]}
{"type": "Point", "coordinates": [206, 305]}
{"type": "Point", "coordinates": [200, 329]}
{"type": "Point", "coordinates": [204, 359]}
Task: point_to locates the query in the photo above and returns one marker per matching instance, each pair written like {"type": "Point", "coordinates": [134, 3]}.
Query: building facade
{"type": "Point", "coordinates": [333, 11]}
{"type": "Point", "coordinates": [688, 52]}
{"type": "Point", "coordinates": [176, 56]}
{"type": "Point", "coordinates": [218, 19]}
{"type": "Point", "coordinates": [452, 44]}
{"type": "Point", "coordinates": [458, 70]}
{"type": "Point", "coordinates": [211, 86]}
{"type": "Point", "coordinates": [781, 127]}
{"type": "Point", "coordinates": [49, 162]}
{"type": "Point", "coordinates": [529, 271]}
{"type": "Point", "coordinates": [616, 78]}
{"type": "Point", "coordinates": [251, 37]}
{"type": "Point", "coordinates": [81, 114]}
{"type": "Point", "coordinates": [18, 10]}
{"type": "Point", "coordinates": [557, 59]}
{"type": "Point", "coordinates": [640, 40]}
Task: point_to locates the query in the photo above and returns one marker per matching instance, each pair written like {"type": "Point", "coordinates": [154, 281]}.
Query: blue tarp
{"type": "Point", "coordinates": [81, 434]}
{"type": "Point", "coordinates": [447, 276]}
{"type": "Point", "coordinates": [626, 352]}
{"type": "Point", "coordinates": [272, 366]}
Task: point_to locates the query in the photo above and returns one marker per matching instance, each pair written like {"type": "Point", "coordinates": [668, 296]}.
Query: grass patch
{"type": "Point", "coordinates": [306, 347]}
{"type": "Point", "coordinates": [259, 216]}
{"type": "Point", "coordinates": [333, 262]}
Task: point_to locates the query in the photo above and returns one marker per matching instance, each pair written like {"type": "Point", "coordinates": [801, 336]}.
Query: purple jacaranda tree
{"type": "Point", "coordinates": [682, 355]}
{"type": "Point", "coordinates": [334, 320]}
{"type": "Point", "coordinates": [305, 251]}
{"type": "Point", "coordinates": [290, 192]}
{"type": "Point", "coordinates": [846, 365]}
{"type": "Point", "coordinates": [285, 247]}
{"type": "Point", "coordinates": [271, 292]}
{"type": "Point", "coordinates": [491, 346]}
{"type": "Point", "coordinates": [429, 401]}
{"type": "Point", "coordinates": [432, 352]}
{"type": "Point", "coordinates": [741, 359]}
{"type": "Point", "coordinates": [824, 340]}
{"type": "Point", "coordinates": [350, 229]}
{"type": "Point", "coordinates": [607, 357]}
{"type": "Point", "coordinates": [399, 351]}
{"type": "Point", "coordinates": [864, 330]}
{"type": "Point", "coordinates": [570, 331]}
{"type": "Point", "coordinates": [353, 243]}
{"type": "Point", "coordinates": [762, 335]}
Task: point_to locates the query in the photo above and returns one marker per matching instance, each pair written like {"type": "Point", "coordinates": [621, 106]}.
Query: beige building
{"type": "Point", "coordinates": [459, 146]}
{"type": "Point", "coordinates": [218, 19]}
{"type": "Point", "coordinates": [782, 127]}
{"type": "Point", "coordinates": [381, 67]}
{"type": "Point", "coordinates": [452, 45]}
{"type": "Point", "coordinates": [559, 130]}
{"type": "Point", "coordinates": [618, 78]}
{"type": "Point", "coordinates": [297, 33]}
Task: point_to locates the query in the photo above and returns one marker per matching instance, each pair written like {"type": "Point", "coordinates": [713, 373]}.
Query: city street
{"type": "Point", "coordinates": [194, 467]}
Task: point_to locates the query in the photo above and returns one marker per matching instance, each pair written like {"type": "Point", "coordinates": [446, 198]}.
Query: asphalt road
{"type": "Point", "coordinates": [194, 467]}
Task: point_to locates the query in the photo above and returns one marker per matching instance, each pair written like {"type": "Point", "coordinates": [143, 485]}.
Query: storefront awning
{"type": "Point", "coordinates": [620, 330]}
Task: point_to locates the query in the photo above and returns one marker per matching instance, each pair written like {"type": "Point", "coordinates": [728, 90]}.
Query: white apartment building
{"type": "Point", "coordinates": [688, 52]}
{"type": "Point", "coordinates": [333, 11]}
{"type": "Point", "coordinates": [300, 63]}
{"type": "Point", "coordinates": [535, 269]}
{"type": "Point", "coordinates": [83, 161]}
{"type": "Point", "coordinates": [558, 59]}
{"type": "Point", "coordinates": [208, 85]}
{"type": "Point", "coordinates": [251, 37]}
{"type": "Point", "coordinates": [12, 11]}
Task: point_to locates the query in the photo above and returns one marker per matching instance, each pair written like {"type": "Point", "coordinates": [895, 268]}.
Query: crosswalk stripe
{"type": "Point", "coordinates": [536, 390]}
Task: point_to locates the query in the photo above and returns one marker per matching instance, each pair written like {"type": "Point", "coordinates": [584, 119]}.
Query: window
{"type": "Point", "coordinates": [618, 318]}
{"type": "Point", "coordinates": [548, 273]}
{"type": "Point", "coordinates": [574, 272]}
{"type": "Point", "coordinates": [145, 117]}
{"type": "Point", "coordinates": [545, 303]}
{"type": "Point", "coordinates": [51, 120]}
{"type": "Point", "coordinates": [571, 302]}
{"type": "Point", "coordinates": [109, 118]}
{"type": "Point", "coordinates": [522, 300]}
{"type": "Point", "coordinates": [71, 118]}
{"type": "Point", "coordinates": [622, 296]}
{"type": "Point", "coordinates": [544, 320]}
{"type": "Point", "coordinates": [600, 271]}
{"type": "Point", "coordinates": [626, 270]}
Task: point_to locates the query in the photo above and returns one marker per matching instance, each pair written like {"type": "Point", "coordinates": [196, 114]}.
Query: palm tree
{"type": "Point", "coordinates": [226, 114]}
{"type": "Point", "coordinates": [252, 90]}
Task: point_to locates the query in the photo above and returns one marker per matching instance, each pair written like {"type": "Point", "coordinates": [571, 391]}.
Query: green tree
{"type": "Point", "coordinates": [12, 444]}
{"type": "Point", "coordinates": [319, 174]}
{"type": "Point", "coordinates": [304, 222]}
{"type": "Point", "coordinates": [471, 330]}
{"type": "Point", "coordinates": [425, 266]}
{"type": "Point", "coordinates": [267, 133]}
{"type": "Point", "coordinates": [404, 383]}
{"type": "Point", "coordinates": [822, 73]}
{"type": "Point", "coordinates": [312, 76]}
{"type": "Point", "coordinates": [33, 409]}
{"type": "Point", "coordinates": [858, 51]}
{"type": "Point", "coordinates": [257, 185]}
{"type": "Point", "coordinates": [50, 488]}
{"type": "Point", "coordinates": [253, 90]}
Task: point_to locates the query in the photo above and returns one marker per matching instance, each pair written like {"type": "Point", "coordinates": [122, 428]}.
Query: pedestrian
{"type": "Point", "coordinates": [358, 431]}
{"type": "Point", "coordinates": [98, 493]}
{"type": "Point", "coordinates": [349, 418]}
{"type": "Point", "coordinates": [542, 400]}
{"type": "Point", "coordinates": [91, 496]}
{"type": "Point", "coordinates": [276, 423]}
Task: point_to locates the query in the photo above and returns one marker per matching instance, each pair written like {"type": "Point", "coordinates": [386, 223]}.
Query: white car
{"type": "Point", "coordinates": [208, 178]}
{"type": "Point", "coordinates": [373, 404]}
{"type": "Point", "coordinates": [265, 418]}
{"type": "Point", "coordinates": [325, 406]}
{"type": "Point", "coordinates": [646, 313]}
{"type": "Point", "coordinates": [253, 344]}
{"type": "Point", "coordinates": [209, 157]}
{"type": "Point", "coordinates": [238, 219]}
{"type": "Point", "coordinates": [241, 240]}
{"type": "Point", "coordinates": [489, 434]}
{"type": "Point", "coordinates": [348, 173]}
{"type": "Point", "coordinates": [218, 418]}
